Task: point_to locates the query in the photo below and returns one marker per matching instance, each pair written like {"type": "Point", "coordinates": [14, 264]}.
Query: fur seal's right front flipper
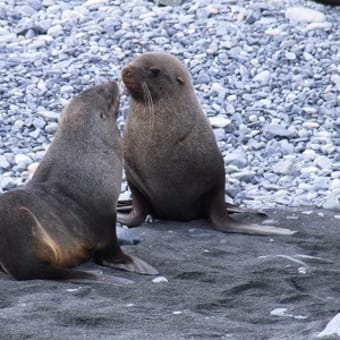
{"type": "Point", "coordinates": [134, 264]}
{"type": "Point", "coordinates": [113, 256]}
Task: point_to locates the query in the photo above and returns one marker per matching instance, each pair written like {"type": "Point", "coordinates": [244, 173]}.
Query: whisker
{"type": "Point", "coordinates": [150, 106]}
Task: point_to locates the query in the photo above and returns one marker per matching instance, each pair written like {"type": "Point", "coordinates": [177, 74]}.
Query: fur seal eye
{"type": "Point", "coordinates": [155, 71]}
{"type": "Point", "coordinates": [103, 116]}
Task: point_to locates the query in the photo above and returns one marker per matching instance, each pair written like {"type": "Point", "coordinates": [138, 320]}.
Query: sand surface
{"type": "Point", "coordinates": [219, 286]}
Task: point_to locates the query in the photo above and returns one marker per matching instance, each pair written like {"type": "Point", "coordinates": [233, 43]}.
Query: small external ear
{"type": "Point", "coordinates": [180, 79]}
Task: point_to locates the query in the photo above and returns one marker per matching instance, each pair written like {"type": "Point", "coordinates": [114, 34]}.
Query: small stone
{"type": "Point", "coordinates": [332, 203]}
{"type": "Point", "coordinates": [218, 89]}
{"type": "Point", "coordinates": [51, 128]}
{"type": "Point", "coordinates": [49, 115]}
{"type": "Point", "coordinates": [284, 167]}
{"type": "Point", "coordinates": [323, 162]}
{"type": "Point", "coordinates": [55, 31]}
{"type": "Point", "coordinates": [274, 31]}
{"type": "Point", "coordinates": [309, 155]}
{"type": "Point", "coordinates": [311, 125]}
{"type": "Point", "coordinates": [279, 312]}
{"type": "Point", "coordinates": [22, 159]}
{"type": "Point", "coordinates": [326, 26]}
{"type": "Point", "coordinates": [273, 130]}
{"type": "Point", "coordinates": [219, 122]}
{"type": "Point", "coordinates": [303, 14]}
{"type": "Point", "coordinates": [160, 279]}
{"type": "Point", "coordinates": [237, 158]}
{"type": "Point", "coordinates": [4, 164]}
{"type": "Point", "coordinates": [290, 56]}
{"type": "Point", "coordinates": [263, 77]}
{"type": "Point", "coordinates": [310, 170]}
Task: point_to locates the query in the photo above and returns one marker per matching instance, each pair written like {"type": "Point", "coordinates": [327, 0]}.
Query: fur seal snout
{"type": "Point", "coordinates": [173, 165]}
{"type": "Point", "coordinates": [66, 214]}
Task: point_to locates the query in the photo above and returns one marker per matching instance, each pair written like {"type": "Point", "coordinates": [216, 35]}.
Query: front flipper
{"type": "Point", "coordinates": [114, 257]}
{"type": "Point", "coordinates": [132, 264]}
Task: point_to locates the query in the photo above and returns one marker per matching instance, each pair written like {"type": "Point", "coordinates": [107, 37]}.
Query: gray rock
{"type": "Point", "coordinates": [284, 167]}
{"type": "Point", "coordinates": [273, 130]}
{"type": "Point", "coordinates": [332, 203]}
{"type": "Point", "coordinates": [237, 158]}
{"type": "Point", "coordinates": [4, 164]}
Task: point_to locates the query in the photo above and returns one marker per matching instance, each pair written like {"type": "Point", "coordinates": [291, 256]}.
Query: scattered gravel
{"type": "Point", "coordinates": [267, 74]}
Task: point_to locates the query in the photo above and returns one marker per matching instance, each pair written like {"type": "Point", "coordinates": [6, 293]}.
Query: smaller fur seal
{"type": "Point", "coordinates": [173, 165]}
{"type": "Point", "coordinates": [65, 214]}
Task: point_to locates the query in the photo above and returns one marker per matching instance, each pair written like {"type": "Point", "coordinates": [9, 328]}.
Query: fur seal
{"type": "Point", "coordinates": [173, 166]}
{"type": "Point", "coordinates": [65, 214]}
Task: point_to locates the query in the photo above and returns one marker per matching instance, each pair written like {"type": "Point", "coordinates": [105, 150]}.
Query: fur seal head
{"type": "Point", "coordinates": [155, 74]}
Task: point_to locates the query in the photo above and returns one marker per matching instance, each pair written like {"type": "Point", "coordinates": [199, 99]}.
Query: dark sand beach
{"type": "Point", "coordinates": [218, 286]}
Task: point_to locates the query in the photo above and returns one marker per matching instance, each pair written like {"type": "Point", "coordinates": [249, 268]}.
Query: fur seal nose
{"type": "Point", "coordinates": [127, 74]}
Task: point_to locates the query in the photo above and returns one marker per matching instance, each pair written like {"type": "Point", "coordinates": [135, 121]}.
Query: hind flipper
{"type": "Point", "coordinates": [231, 208]}
{"type": "Point", "coordinates": [228, 225]}
{"type": "Point", "coordinates": [223, 222]}
{"type": "Point", "coordinates": [124, 206]}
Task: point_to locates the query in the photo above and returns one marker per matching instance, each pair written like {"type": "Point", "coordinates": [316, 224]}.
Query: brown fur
{"type": "Point", "coordinates": [173, 165]}
{"type": "Point", "coordinates": [65, 214]}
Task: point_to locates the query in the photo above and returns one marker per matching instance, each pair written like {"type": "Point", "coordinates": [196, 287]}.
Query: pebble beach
{"type": "Point", "coordinates": [267, 74]}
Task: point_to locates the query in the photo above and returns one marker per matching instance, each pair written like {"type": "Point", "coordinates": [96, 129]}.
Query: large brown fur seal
{"type": "Point", "coordinates": [173, 165]}
{"type": "Point", "coordinates": [66, 214]}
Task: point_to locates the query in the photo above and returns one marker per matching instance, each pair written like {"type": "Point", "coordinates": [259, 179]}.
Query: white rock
{"type": "Point", "coordinates": [279, 312]}
{"type": "Point", "coordinates": [326, 26]}
{"type": "Point", "coordinates": [303, 14]}
{"type": "Point", "coordinates": [219, 121]}
{"type": "Point", "coordinates": [48, 115]}
{"type": "Point", "coordinates": [54, 31]}
{"type": "Point", "coordinates": [309, 155]}
{"type": "Point", "coordinates": [160, 279]}
{"type": "Point", "coordinates": [22, 159]}
{"type": "Point", "coordinates": [283, 167]}
{"type": "Point", "coordinates": [310, 125]}
{"type": "Point", "coordinates": [332, 328]}
{"type": "Point", "coordinates": [309, 170]}
{"type": "Point", "coordinates": [274, 31]}
{"type": "Point", "coordinates": [4, 164]}
{"type": "Point", "coordinates": [263, 77]}
{"type": "Point", "coordinates": [51, 127]}
{"type": "Point", "coordinates": [332, 203]}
